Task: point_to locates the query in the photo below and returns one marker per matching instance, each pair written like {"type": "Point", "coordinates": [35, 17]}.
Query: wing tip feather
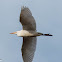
{"type": "Point", "coordinates": [23, 7]}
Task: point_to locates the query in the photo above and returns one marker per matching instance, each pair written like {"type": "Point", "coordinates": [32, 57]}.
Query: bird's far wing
{"type": "Point", "coordinates": [28, 48]}
{"type": "Point", "coordinates": [27, 20]}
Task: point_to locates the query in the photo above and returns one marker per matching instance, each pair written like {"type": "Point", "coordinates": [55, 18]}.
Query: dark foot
{"type": "Point", "coordinates": [47, 34]}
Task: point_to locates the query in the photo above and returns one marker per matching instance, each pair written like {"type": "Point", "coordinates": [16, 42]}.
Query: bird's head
{"type": "Point", "coordinates": [18, 33]}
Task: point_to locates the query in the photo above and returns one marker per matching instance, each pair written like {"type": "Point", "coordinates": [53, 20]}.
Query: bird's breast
{"type": "Point", "coordinates": [24, 33]}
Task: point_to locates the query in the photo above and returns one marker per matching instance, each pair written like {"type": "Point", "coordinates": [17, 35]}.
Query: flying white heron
{"type": "Point", "coordinates": [29, 34]}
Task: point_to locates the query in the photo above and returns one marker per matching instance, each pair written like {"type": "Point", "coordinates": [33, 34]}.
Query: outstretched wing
{"type": "Point", "coordinates": [28, 48]}
{"type": "Point", "coordinates": [29, 43]}
{"type": "Point", "coordinates": [27, 20]}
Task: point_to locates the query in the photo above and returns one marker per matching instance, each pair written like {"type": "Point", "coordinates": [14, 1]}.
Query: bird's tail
{"type": "Point", "coordinates": [44, 34]}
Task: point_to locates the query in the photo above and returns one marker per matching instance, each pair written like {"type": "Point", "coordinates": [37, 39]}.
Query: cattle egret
{"type": "Point", "coordinates": [29, 34]}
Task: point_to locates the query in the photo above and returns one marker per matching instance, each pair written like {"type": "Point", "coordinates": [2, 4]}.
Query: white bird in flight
{"type": "Point", "coordinates": [29, 34]}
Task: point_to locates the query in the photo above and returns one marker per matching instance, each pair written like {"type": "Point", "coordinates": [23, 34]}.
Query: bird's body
{"type": "Point", "coordinates": [24, 33]}
{"type": "Point", "coordinates": [29, 34]}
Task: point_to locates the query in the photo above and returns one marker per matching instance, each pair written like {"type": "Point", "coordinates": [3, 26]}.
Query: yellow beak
{"type": "Point", "coordinates": [13, 33]}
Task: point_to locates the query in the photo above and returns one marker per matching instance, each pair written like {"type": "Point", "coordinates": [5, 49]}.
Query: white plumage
{"type": "Point", "coordinates": [24, 33]}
